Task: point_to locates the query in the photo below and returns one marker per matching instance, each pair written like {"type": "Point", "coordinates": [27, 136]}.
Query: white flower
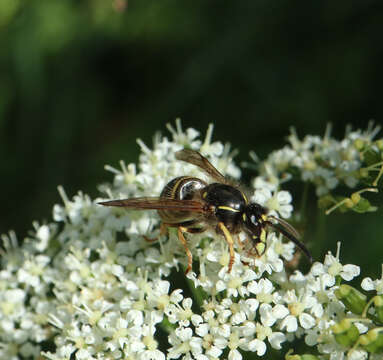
{"type": "Point", "coordinates": [280, 202]}
{"type": "Point", "coordinates": [297, 307]}
{"type": "Point", "coordinates": [208, 147]}
{"type": "Point", "coordinates": [183, 342]}
{"type": "Point", "coordinates": [270, 261]}
{"type": "Point", "coordinates": [12, 303]}
{"type": "Point", "coordinates": [358, 355]}
{"type": "Point", "coordinates": [98, 285]}
{"type": "Point", "coordinates": [180, 314]}
{"type": "Point", "coordinates": [263, 289]}
{"type": "Point", "coordinates": [261, 196]}
{"type": "Point", "coordinates": [269, 315]}
{"type": "Point", "coordinates": [261, 183]}
{"type": "Point", "coordinates": [235, 282]}
{"type": "Point", "coordinates": [368, 284]}
{"type": "Point", "coordinates": [334, 267]}
{"type": "Point", "coordinates": [257, 346]}
{"type": "Point", "coordinates": [159, 296]}
{"type": "Point", "coordinates": [184, 138]}
{"type": "Point", "coordinates": [323, 161]}
{"type": "Point", "coordinates": [32, 271]}
{"type": "Point", "coordinates": [262, 332]}
{"type": "Point", "coordinates": [43, 236]}
{"type": "Point", "coordinates": [62, 352]}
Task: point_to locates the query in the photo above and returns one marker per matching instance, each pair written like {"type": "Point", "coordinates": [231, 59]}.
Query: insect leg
{"type": "Point", "coordinates": [260, 242]}
{"type": "Point", "coordinates": [181, 237]}
{"type": "Point", "coordinates": [163, 230]}
{"type": "Point", "coordinates": [240, 242]}
{"type": "Point", "coordinates": [230, 242]}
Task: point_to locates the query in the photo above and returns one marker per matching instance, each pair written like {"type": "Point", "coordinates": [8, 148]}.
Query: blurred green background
{"type": "Point", "coordinates": [81, 80]}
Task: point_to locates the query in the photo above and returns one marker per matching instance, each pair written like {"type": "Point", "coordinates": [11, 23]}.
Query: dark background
{"type": "Point", "coordinates": [81, 80]}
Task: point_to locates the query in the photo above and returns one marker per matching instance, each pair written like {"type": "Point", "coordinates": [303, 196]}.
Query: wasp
{"type": "Point", "coordinates": [192, 206]}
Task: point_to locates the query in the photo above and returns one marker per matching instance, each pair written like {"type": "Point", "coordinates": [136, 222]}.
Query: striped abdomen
{"type": "Point", "coordinates": [181, 188]}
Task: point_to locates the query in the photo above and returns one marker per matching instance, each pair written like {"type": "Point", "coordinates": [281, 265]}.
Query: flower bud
{"type": "Point", "coordinates": [355, 197]}
{"type": "Point", "coordinates": [372, 341]}
{"type": "Point", "coordinates": [378, 303]}
{"type": "Point", "coordinates": [359, 144]}
{"type": "Point", "coordinates": [345, 332]}
{"type": "Point", "coordinates": [363, 172]}
{"type": "Point", "coordinates": [300, 357]}
{"type": "Point", "coordinates": [349, 203]}
{"type": "Point", "coordinates": [351, 298]}
{"type": "Point", "coordinates": [379, 144]}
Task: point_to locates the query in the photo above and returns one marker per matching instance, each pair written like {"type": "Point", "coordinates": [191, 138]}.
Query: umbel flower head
{"type": "Point", "coordinates": [90, 285]}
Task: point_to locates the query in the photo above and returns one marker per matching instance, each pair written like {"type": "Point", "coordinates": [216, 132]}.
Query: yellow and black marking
{"type": "Point", "coordinates": [244, 197]}
{"type": "Point", "coordinates": [176, 187]}
{"type": "Point", "coordinates": [260, 242]}
{"type": "Point", "coordinates": [180, 188]}
{"type": "Point", "coordinates": [176, 191]}
{"type": "Point", "coordinates": [262, 237]}
{"type": "Point", "coordinates": [230, 242]}
{"type": "Point", "coordinates": [191, 205]}
{"type": "Point", "coordinates": [228, 208]}
{"type": "Point", "coordinates": [260, 247]}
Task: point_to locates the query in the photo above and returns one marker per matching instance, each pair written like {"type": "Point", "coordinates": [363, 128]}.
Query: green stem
{"type": "Point", "coordinates": [321, 231]}
{"type": "Point", "coordinates": [303, 204]}
{"type": "Point", "coordinates": [375, 183]}
{"type": "Point", "coordinates": [198, 294]}
{"type": "Point", "coordinates": [167, 326]}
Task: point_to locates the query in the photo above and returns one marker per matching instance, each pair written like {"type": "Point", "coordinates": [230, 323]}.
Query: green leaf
{"type": "Point", "coordinates": [363, 206]}
{"type": "Point", "coordinates": [326, 201]}
{"type": "Point", "coordinates": [372, 157]}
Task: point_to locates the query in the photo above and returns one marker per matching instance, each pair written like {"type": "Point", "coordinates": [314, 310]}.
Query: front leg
{"type": "Point", "coordinates": [230, 242]}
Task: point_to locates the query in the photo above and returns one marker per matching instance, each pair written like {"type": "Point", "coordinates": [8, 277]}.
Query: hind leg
{"type": "Point", "coordinates": [163, 230]}
{"type": "Point", "coordinates": [181, 237]}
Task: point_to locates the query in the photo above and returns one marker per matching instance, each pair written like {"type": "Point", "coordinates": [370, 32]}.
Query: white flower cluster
{"type": "Point", "coordinates": [91, 285]}
{"type": "Point", "coordinates": [323, 161]}
{"type": "Point", "coordinates": [373, 285]}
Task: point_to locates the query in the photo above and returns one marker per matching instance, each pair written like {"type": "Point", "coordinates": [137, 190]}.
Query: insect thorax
{"type": "Point", "coordinates": [229, 203]}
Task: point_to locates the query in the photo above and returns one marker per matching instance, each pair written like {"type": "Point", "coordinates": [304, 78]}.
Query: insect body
{"type": "Point", "coordinates": [191, 205]}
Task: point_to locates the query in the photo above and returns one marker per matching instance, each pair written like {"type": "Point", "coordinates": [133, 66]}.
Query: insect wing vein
{"type": "Point", "coordinates": [156, 203]}
{"type": "Point", "coordinates": [195, 158]}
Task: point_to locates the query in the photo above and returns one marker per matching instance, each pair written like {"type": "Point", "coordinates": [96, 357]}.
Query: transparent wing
{"type": "Point", "coordinates": [157, 203]}
{"type": "Point", "coordinates": [195, 158]}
